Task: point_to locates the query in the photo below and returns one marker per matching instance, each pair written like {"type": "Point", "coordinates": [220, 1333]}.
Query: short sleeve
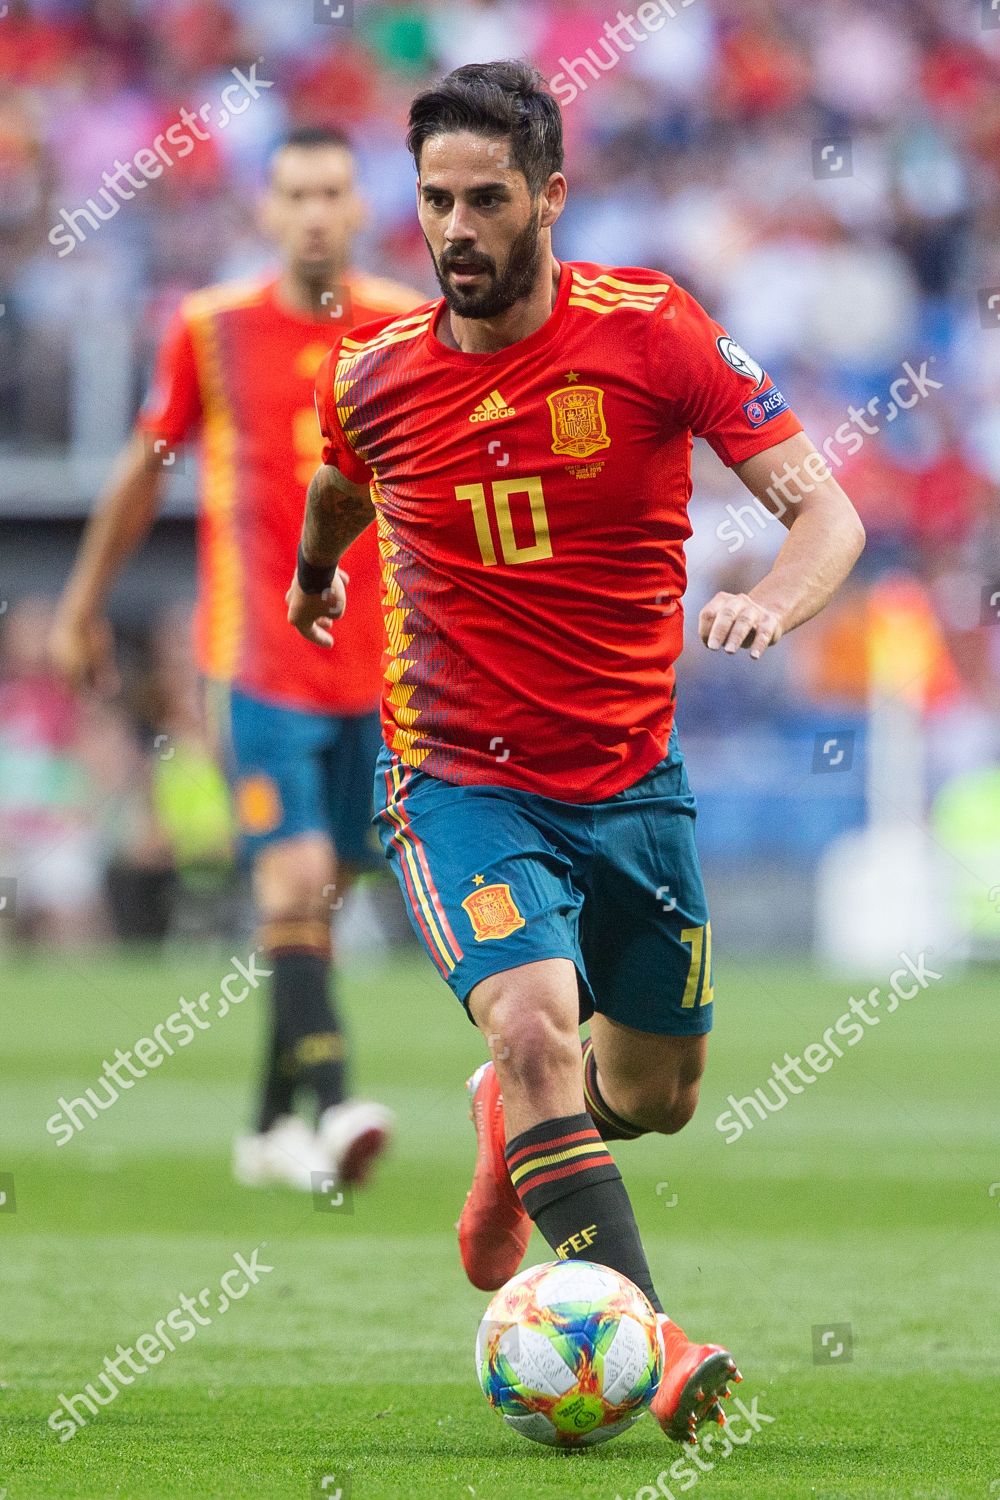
{"type": "Point", "coordinates": [337, 450]}
{"type": "Point", "coordinates": [173, 406]}
{"type": "Point", "coordinates": [709, 384]}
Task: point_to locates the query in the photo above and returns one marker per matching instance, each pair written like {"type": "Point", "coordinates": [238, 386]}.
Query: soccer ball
{"type": "Point", "coordinates": [569, 1353]}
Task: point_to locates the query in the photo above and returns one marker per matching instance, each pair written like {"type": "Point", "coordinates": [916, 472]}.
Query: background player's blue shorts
{"type": "Point", "coordinates": [494, 878]}
{"type": "Point", "coordinates": [294, 772]}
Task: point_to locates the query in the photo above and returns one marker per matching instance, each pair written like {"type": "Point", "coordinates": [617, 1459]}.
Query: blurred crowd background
{"type": "Point", "coordinates": [825, 178]}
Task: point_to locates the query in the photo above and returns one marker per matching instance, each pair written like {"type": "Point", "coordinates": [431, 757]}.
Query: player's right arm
{"type": "Point", "coordinates": [339, 507]}
{"type": "Point", "coordinates": [337, 512]}
{"type": "Point", "coordinates": [80, 641]}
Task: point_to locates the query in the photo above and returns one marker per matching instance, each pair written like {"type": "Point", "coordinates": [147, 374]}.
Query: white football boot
{"type": "Point", "coordinates": [353, 1136]}
{"type": "Point", "coordinates": [287, 1155]}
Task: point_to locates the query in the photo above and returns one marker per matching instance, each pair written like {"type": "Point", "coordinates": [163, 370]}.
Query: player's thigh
{"type": "Point", "coordinates": [348, 767]}
{"type": "Point", "coordinates": [485, 888]}
{"type": "Point", "coordinates": [645, 929]}
{"type": "Point", "coordinates": [274, 760]}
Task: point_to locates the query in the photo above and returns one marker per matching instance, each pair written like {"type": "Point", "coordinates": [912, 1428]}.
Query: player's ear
{"type": "Point", "coordinates": [554, 196]}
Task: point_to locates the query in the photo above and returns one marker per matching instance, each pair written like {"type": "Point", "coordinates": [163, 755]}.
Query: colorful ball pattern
{"type": "Point", "coordinates": [569, 1353]}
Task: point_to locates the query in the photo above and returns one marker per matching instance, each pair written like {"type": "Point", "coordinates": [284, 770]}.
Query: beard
{"type": "Point", "coordinates": [316, 275]}
{"type": "Point", "coordinates": [503, 287]}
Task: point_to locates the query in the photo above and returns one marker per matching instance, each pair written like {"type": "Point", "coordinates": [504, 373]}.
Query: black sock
{"type": "Point", "coordinates": [611, 1126]}
{"type": "Point", "coordinates": [569, 1184]}
{"type": "Point", "coordinates": [310, 1050]}
{"type": "Point", "coordinates": [278, 1090]}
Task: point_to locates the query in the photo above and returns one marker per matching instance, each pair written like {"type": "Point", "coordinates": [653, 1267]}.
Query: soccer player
{"type": "Point", "coordinates": [300, 731]}
{"type": "Point", "coordinates": [523, 446]}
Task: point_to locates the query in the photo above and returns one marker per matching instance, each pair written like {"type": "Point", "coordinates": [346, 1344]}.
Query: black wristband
{"type": "Point", "coordinates": [311, 579]}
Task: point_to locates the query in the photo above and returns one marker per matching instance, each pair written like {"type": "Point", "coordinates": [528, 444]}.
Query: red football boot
{"type": "Point", "coordinates": [695, 1379]}
{"type": "Point", "coordinates": [494, 1230]}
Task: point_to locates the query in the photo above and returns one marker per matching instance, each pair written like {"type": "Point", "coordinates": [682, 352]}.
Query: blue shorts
{"type": "Point", "coordinates": [293, 772]}
{"type": "Point", "coordinates": [494, 878]}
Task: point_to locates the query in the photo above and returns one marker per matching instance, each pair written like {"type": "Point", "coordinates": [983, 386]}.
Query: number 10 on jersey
{"type": "Point", "coordinates": [499, 503]}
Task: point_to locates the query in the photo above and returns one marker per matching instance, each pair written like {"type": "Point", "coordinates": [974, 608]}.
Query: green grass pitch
{"type": "Point", "coordinates": [866, 1201]}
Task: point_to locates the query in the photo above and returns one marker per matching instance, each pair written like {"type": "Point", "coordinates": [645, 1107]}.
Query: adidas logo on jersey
{"type": "Point", "coordinates": [493, 409]}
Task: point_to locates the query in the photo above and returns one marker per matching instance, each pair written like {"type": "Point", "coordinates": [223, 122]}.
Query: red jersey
{"type": "Point", "coordinates": [239, 368]}
{"type": "Point", "coordinates": [532, 510]}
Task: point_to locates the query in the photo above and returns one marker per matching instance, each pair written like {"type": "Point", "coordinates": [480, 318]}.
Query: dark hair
{"type": "Point", "coordinates": [508, 98]}
{"type": "Point", "coordinates": [309, 137]}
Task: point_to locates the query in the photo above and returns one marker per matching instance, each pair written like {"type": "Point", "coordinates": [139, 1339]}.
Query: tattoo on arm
{"type": "Point", "coordinates": [337, 512]}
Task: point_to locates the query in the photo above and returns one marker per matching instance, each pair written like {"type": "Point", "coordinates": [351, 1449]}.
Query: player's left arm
{"type": "Point", "coordinates": [825, 539]}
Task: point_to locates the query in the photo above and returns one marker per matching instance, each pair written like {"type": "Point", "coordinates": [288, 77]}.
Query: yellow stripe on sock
{"type": "Point", "coordinates": [587, 1148]}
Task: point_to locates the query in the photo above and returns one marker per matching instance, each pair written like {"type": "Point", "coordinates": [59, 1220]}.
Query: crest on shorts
{"type": "Point", "coordinates": [258, 804]}
{"type": "Point", "coordinates": [493, 912]}
{"type": "Point", "coordinates": [578, 425]}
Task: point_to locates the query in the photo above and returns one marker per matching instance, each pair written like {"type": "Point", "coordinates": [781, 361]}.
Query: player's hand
{"type": "Point", "coordinates": [731, 621]}
{"type": "Point", "coordinates": [313, 614]}
{"type": "Point", "coordinates": [81, 651]}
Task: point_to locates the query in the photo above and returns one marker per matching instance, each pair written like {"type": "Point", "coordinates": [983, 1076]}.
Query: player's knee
{"type": "Point", "coordinates": [295, 879]}
{"type": "Point", "coordinates": [535, 1056]}
{"type": "Point", "coordinates": [532, 1039]}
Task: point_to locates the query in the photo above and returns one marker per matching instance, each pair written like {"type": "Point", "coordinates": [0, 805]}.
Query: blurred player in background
{"type": "Point", "coordinates": [299, 732]}
{"type": "Point", "coordinates": [533, 800]}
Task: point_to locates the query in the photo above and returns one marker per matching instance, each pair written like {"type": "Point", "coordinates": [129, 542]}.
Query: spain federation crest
{"type": "Point", "coordinates": [578, 425]}
{"type": "Point", "coordinates": [493, 912]}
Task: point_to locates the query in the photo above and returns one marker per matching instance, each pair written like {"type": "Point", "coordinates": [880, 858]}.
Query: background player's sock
{"type": "Point", "coordinates": [310, 1047]}
{"type": "Point", "coordinates": [569, 1184]}
{"type": "Point", "coordinates": [611, 1126]}
{"type": "Point", "coordinates": [278, 1091]}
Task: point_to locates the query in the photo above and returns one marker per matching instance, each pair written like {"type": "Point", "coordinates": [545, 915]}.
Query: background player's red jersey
{"type": "Point", "coordinates": [532, 514]}
{"type": "Point", "coordinates": [240, 367]}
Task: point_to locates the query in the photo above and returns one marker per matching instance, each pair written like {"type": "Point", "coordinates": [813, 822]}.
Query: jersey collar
{"type": "Point", "coordinates": [536, 340]}
{"type": "Point", "coordinates": [302, 319]}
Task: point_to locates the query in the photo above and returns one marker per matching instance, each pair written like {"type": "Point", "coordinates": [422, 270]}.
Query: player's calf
{"type": "Point", "coordinates": [636, 1083]}
{"type": "Point", "coordinates": [663, 1108]}
{"type": "Point", "coordinates": [307, 1049]}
